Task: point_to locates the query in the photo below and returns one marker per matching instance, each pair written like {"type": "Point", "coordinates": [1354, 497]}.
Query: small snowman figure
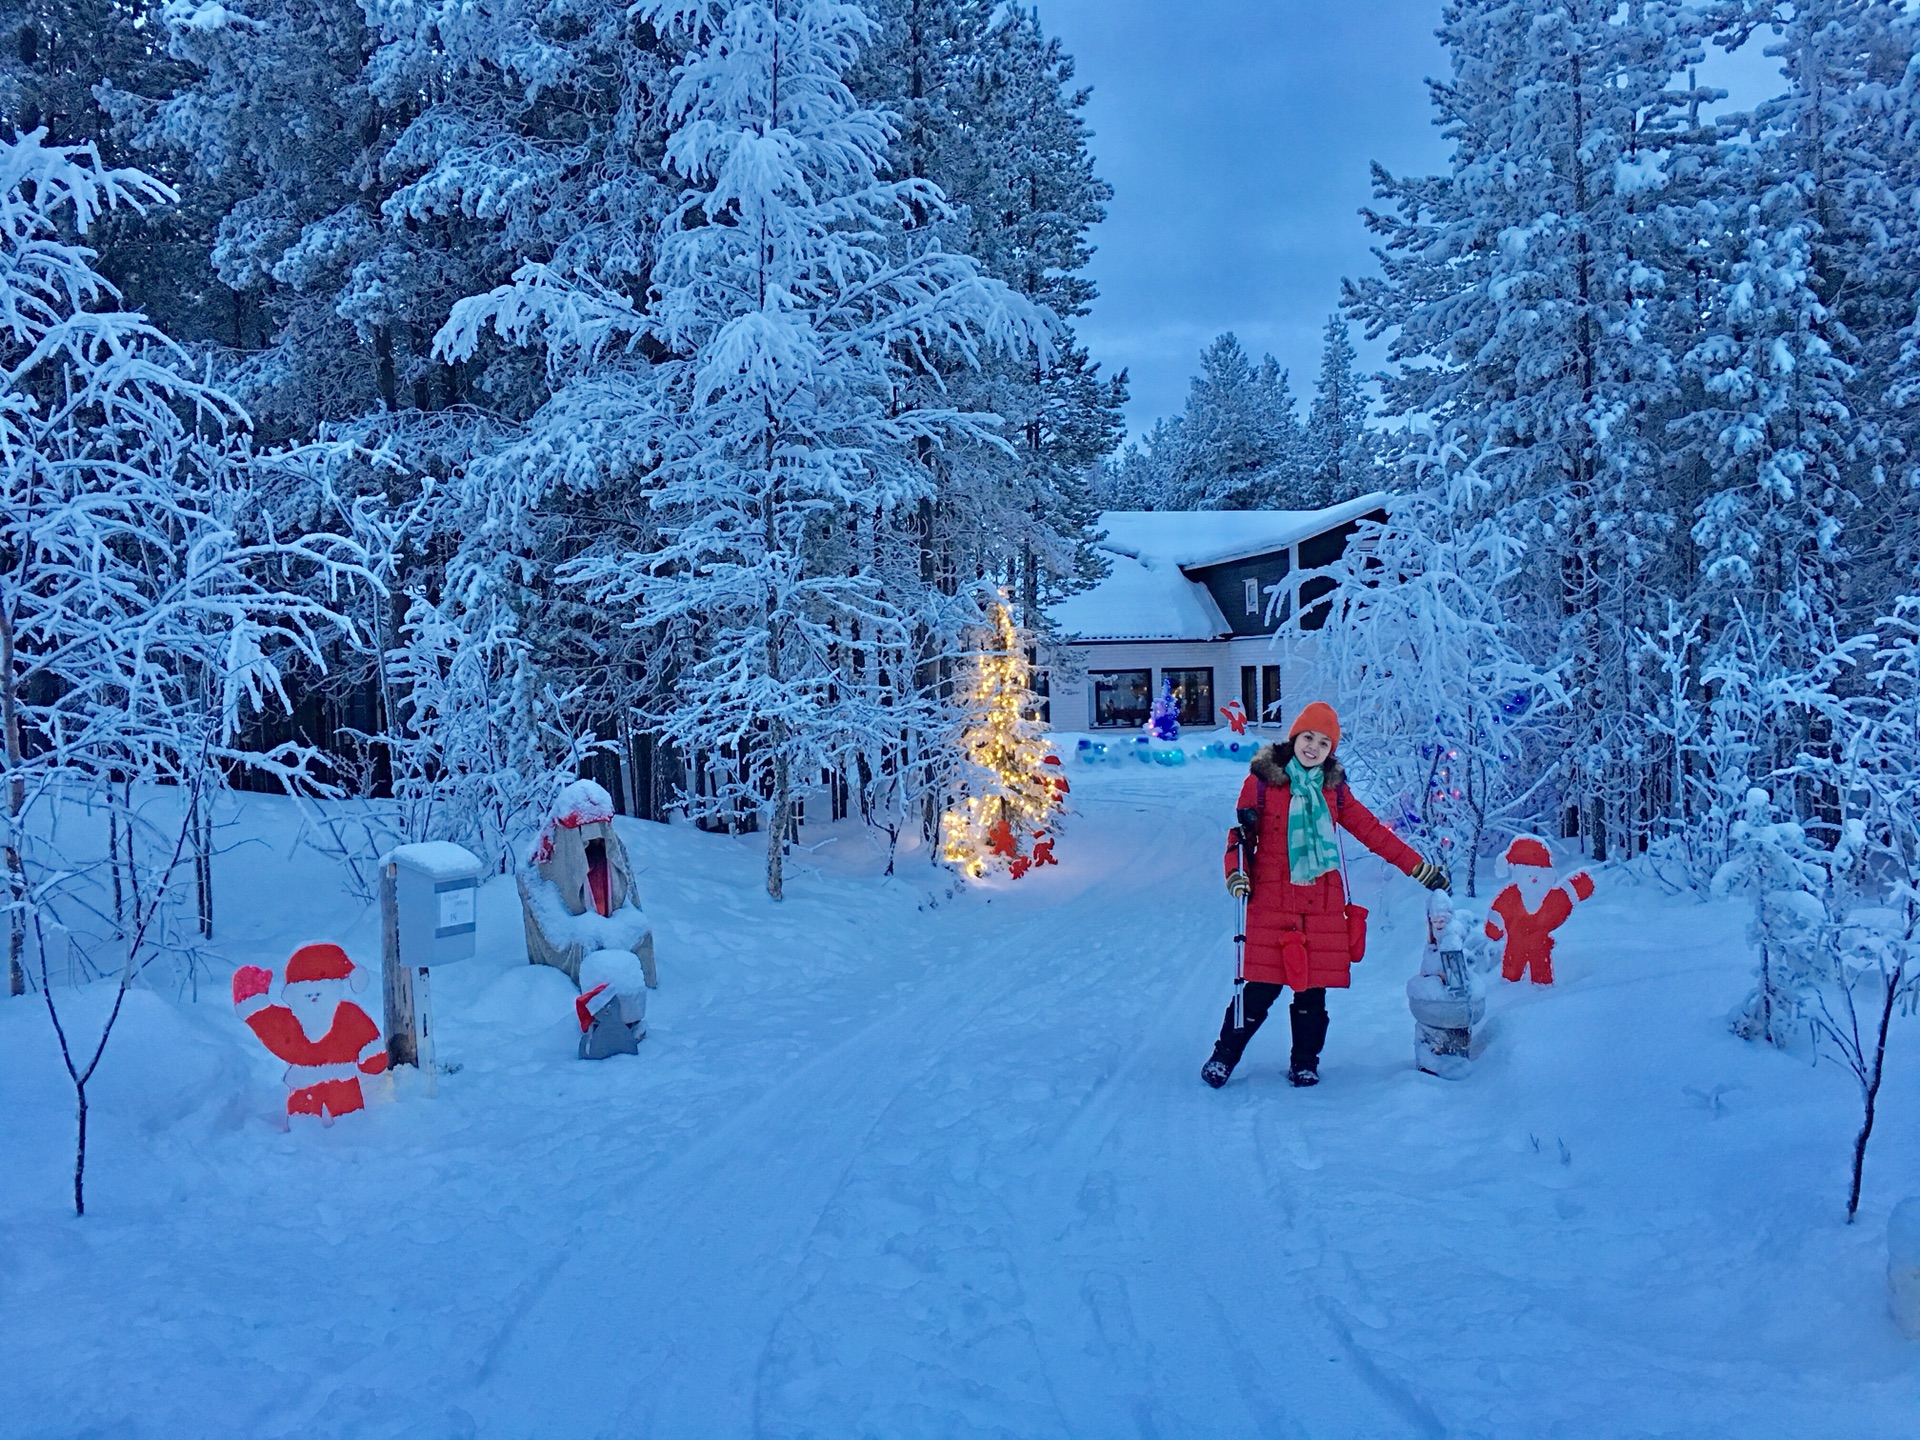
{"type": "Point", "coordinates": [1445, 1000]}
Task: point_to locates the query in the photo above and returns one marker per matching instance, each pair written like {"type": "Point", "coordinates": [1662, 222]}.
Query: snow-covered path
{"type": "Point", "coordinates": [891, 1167]}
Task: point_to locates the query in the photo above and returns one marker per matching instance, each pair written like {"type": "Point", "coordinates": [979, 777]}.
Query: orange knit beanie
{"type": "Point", "coordinates": [1318, 716]}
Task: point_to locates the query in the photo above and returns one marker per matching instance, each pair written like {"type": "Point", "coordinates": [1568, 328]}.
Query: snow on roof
{"type": "Point", "coordinates": [1149, 595]}
{"type": "Point", "coordinates": [1141, 600]}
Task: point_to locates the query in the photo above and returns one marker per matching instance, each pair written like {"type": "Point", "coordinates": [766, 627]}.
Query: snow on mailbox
{"type": "Point", "coordinates": [428, 896]}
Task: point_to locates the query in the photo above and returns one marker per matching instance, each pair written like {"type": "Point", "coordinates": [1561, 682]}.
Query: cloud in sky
{"type": "Point", "coordinates": [1237, 135]}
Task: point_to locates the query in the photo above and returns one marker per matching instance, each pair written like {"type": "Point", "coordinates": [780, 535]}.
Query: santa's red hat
{"type": "Point", "coordinates": [1530, 850]}
{"type": "Point", "coordinates": [318, 962]}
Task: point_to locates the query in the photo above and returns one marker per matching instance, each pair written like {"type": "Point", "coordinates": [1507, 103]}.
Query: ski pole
{"type": "Point", "coordinates": [1240, 968]}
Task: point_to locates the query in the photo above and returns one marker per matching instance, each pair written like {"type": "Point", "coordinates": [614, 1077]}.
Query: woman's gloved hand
{"type": "Point", "coordinates": [1432, 874]}
{"type": "Point", "coordinates": [1238, 885]}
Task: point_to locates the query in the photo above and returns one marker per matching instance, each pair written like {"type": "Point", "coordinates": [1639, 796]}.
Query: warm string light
{"type": "Point", "coordinates": [1006, 818]}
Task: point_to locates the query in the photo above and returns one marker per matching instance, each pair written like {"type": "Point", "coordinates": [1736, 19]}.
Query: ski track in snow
{"type": "Point", "coordinates": [890, 1168]}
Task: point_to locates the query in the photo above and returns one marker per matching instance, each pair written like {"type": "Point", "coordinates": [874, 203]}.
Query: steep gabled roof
{"type": "Point", "coordinates": [1150, 595]}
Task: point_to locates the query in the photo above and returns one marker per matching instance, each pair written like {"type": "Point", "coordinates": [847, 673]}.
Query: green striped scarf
{"type": "Point", "coordinates": [1311, 848]}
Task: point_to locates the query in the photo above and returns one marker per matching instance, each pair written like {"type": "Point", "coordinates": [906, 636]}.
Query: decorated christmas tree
{"type": "Point", "coordinates": [1013, 786]}
{"type": "Point", "coordinates": [1163, 723]}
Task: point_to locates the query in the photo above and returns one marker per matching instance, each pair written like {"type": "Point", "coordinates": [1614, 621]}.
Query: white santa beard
{"type": "Point", "coordinates": [313, 1006]}
{"type": "Point", "coordinates": [1534, 883]}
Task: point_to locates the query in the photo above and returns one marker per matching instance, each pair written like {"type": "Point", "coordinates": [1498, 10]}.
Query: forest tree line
{"type": "Point", "coordinates": [457, 259]}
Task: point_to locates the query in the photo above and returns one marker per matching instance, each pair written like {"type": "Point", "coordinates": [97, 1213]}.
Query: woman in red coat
{"type": "Point", "coordinates": [1297, 931]}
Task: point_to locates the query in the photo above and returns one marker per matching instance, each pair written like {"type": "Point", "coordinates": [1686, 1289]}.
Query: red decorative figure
{"type": "Point", "coordinates": [1056, 781]}
{"type": "Point", "coordinates": [1043, 849]}
{"type": "Point", "coordinates": [1236, 717]}
{"type": "Point", "coordinates": [1527, 912]}
{"type": "Point", "coordinates": [1000, 839]}
{"type": "Point", "coordinates": [321, 1034]}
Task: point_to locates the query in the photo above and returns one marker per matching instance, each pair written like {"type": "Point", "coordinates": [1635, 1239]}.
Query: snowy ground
{"type": "Point", "coordinates": [890, 1167]}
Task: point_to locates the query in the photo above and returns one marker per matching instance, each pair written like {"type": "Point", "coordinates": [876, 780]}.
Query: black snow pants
{"type": "Point", "coordinates": [1308, 1012]}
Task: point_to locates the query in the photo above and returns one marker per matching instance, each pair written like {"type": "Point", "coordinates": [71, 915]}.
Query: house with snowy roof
{"type": "Point", "coordinates": [1194, 600]}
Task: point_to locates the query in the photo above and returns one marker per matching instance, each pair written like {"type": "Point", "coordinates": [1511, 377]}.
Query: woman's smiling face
{"type": "Point", "coordinates": [1311, 748]}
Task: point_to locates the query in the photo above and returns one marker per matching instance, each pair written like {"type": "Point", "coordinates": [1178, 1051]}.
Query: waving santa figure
{"type": "Point", "coordinates": [322, 1035]}
{"type": "Point", "coordinates": [1527, 912]}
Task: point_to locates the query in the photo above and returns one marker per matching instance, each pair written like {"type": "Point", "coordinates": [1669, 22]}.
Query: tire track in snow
{"type": "Point", "coordinates": [724, 1290]}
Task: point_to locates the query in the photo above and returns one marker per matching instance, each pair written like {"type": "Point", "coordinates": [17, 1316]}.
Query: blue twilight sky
{"type": "Point", "coordinates": [1237, 136]}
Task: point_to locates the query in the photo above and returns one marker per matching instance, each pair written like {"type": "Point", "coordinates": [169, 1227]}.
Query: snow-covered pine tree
{"type": "Point", "coordinates": [1029, 194]}
{"type": "Point", "coordinates": [278, 119]}
{"type": "Point", "coordinates": [81, 70]}
{"type": "Point", "coordinates": [1140, 477]}
{"type": "Point", "coordinates": [1341, 454]}
{"type": "Point", "coordinates": [1241, 444]}
{"type": "Point", "coordinates": [988, 113]}
{"type": "Point", "coordinates": [1827, 274]}
{"type": "Point", "coordinates": [138, 623]}
{"type": "Point", "coordinates": [759, 393]}
{"type": "Point", "coordinates": [1892, 346]}
{"type": "Point", "coordinates": [541, 145]}
{"type": "Point", "coordinates": [1778, 427]}
{"type": "Point", "coordinates": [1525, 291]}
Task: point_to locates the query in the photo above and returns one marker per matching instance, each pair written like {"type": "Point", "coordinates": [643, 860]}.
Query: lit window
{"type": "Point", "coordinates": [1121, 697]}
{"type": "Point", "coordinates": [1193, 693]}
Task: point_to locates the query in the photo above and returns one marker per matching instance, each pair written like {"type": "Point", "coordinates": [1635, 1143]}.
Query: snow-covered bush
{"type": "Point", "coordinates": [1443, 707]}
{"type": "Point", "coordinates": [1837, 896]}
{"type": "Point", "coordinates": [478, 749]}
{"type": "Point", "coordinates": [1790, 884]}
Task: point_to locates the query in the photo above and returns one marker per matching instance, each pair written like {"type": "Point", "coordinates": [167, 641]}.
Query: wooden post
{"type": "Point", "coordinates": [403, 1046]}
{"type": "Point", "coordinates": [423, 1019]}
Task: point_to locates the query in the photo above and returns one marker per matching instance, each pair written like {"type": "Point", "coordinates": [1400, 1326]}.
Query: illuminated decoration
{"type": "Point", "coordinates": [1163, 721]}
{"type": "Point", "coordinates": [1014, 790]}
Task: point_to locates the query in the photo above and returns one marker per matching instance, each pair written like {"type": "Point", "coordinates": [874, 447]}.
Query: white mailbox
{"type": "Point", "coordinates": [428, 912]}
{"type": "Point", "coordinates": [435, 886]}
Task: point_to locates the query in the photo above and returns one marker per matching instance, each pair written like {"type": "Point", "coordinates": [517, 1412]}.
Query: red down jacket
{"type": "Point", "coordinates": [1297, 934]}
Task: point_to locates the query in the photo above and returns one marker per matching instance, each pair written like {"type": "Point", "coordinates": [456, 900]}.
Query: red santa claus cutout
{"type": "Point", "coordinates": [322, 1035]}
{"type": "Point", "coordinates": [1527, 912]}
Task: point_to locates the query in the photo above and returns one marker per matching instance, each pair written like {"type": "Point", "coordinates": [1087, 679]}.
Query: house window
{"type": "Point", "coordinates": [1250, 692]}
{"type": "Point", "coordinates": [1193, 693]}
{"type": "Point", "coordinates": [1121, 697]}
{"type": "Point", "coordinates": [1270, 695]}
{"type": "Point", "coordinates": [1253, 595]}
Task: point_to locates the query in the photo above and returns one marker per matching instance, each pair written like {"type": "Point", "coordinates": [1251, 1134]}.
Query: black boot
{"type": "Point", "coordinates": [1308, 1012]}
{"type": "Point", "coordinates": [1256, 1000]}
